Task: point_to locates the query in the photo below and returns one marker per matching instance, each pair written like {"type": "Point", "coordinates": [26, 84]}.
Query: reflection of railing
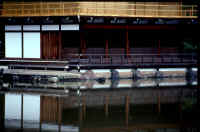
{"type": "Point", "coordinates": [137, 59]}
{"type": "Point", "coordinates": [125, 9]}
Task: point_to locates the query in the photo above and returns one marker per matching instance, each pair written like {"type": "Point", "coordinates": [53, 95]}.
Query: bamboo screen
{"type": "Point", "coordinates": [122, 9]}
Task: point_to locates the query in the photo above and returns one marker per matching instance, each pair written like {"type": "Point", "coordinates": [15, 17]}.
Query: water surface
{"type": "Point", "coordinates": [166, 105]}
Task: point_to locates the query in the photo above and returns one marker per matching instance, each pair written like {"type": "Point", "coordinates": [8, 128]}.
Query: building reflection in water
{"type": "Point", "coordinates": [116, 110]}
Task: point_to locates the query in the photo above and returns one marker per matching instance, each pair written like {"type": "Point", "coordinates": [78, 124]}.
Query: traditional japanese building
{"type": "Point", "coordinates": [65, 30]}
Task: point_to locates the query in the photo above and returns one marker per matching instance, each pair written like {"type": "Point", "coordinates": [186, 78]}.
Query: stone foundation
{"type": "Point", "coordinates": [138, 73]}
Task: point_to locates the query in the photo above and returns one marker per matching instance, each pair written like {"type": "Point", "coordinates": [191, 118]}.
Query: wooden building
{"type": "Point", "coordinates": [65, 30]}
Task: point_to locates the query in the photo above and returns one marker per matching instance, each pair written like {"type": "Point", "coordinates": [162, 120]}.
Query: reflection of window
{"type": "Point", "coordinates": [13, 45]}
{"type": "Point", "coordinates": [31, 45]}
{"type": "Point", "coordinates": [32, 108]}
{"type": "Point", "coordinates": [12, 106]}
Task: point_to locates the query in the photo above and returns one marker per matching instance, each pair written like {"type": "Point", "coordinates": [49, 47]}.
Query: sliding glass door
{"type": "Point", "coordinates": [30, 48]}
{"type": "Point", "coordinates": [31, 45]}
{"type": "Point", "coordinates": [13, 47]}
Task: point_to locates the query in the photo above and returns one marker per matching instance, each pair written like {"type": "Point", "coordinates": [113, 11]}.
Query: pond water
{"type": "Point", "coordinates": [149, 105]}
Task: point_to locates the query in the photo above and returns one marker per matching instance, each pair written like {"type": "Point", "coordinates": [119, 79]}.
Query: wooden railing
{"type": "Point", "coordinates": [122, 9]}
{"type": "Point", "coordinates": [136, 59]}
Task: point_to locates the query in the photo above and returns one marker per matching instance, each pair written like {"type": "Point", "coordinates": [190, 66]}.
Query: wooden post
{"type": "Point", "coordinates": [22, 111]}
{"type": "Point", "coordinates": [127, 109]}
{"type": "Point", "coordinates": [106, 106]}
{"type": "Point", "coordinates": [198, 76]}
{"type": "Point", "coordinates": [158, 47]}
{"type": "Point", "coordinates": [22, 41]}
{"type": "Point", "coordinates": [106, 48]}
{"type": "Point", "coordinates": [60, 43]}
{"type": "Point", "coordinates": [84, 46]}
{"type": "Point", "coordinates": [83, 43]}
{"type": "Point", "coordinates": [127, 43]}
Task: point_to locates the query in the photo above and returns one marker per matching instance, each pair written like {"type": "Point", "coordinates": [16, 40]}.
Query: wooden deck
{"type": "Point", "coordinates": [111, 61]}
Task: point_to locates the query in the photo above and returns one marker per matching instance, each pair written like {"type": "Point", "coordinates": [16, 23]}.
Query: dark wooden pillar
{"type": "Point", "coordinates": [198, 62]}
{"type": "Point", "coordinates": [127, 44]}
{"type": "Point", "coordinates": [41, 43]}
{"type": "Point", "coordinates": [106, 49]}
{"type": "Point", "coordinates": [158, 47]}
{"type": "Point", "coordinates": [2, 112]}
{"type": "Point", "coordinates": [83, 44]}
{"type": "Point", "coordinates": [60, 43]}
{"type": "Point", "coordinates": [198, 77]}
{"type": "Point", "coordinates": [22, 41]}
